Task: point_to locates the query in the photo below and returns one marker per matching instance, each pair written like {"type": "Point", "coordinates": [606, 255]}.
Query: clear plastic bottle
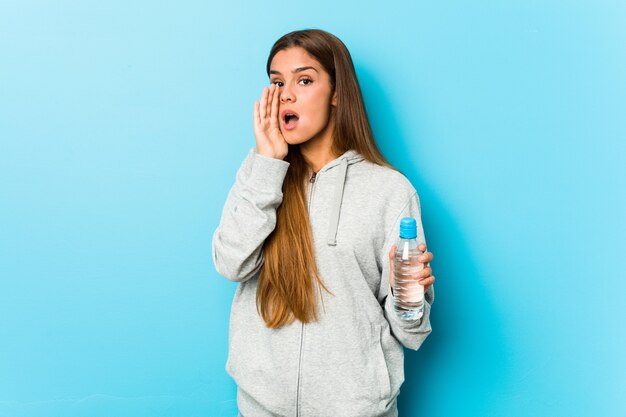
{"type": "Point", "coordinates": [408, 293]}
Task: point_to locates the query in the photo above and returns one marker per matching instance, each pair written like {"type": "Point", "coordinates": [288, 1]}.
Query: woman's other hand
{"type": "Point", "coordinates": [269, 139]}
{"type": "Point", "coordinates": [425, 276]}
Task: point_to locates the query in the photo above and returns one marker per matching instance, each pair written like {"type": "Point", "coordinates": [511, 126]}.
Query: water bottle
{"type": "Point", "coordinates": [408, 293]}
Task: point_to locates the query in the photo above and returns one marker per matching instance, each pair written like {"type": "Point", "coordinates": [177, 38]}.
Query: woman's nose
{"type": "Point", "coordinates": [286, 96]}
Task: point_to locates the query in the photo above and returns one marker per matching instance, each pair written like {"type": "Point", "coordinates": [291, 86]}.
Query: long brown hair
{"type": "Point", "coordinates": [286, 288]}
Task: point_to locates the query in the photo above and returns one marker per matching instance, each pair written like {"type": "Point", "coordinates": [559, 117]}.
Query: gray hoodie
{"type": "Point", "coordinates": [350, 362]}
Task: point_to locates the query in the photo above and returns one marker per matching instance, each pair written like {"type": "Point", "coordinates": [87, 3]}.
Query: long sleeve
{"type": "Point", "coordinates": [248, 216]}
{"type": "Point", "coordinates": [411, 334]}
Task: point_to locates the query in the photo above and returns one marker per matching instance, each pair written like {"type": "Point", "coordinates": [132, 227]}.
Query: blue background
{"type": "Point", "coordinates": [122, 126]}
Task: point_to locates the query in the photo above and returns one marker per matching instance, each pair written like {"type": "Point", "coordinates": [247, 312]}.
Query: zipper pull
{"type": "Point", "coordinates": [312, 180]}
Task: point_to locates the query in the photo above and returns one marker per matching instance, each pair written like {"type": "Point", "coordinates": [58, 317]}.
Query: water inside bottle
{"type": "Point", "coordinates": [408, 292]}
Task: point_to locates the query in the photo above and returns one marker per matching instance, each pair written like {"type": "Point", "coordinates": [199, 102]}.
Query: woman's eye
{"type": "Point", "coordinates": [277, 83]}
{"type": "Point", "coordinates": [308, 81]}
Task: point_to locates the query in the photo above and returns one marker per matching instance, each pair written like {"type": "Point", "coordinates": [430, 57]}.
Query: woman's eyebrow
{"type": "Point", "coordinates": [300, 69]}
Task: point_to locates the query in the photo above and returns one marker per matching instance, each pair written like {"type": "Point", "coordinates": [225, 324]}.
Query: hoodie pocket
{"type": "Point", "coordinates": [381, 364]}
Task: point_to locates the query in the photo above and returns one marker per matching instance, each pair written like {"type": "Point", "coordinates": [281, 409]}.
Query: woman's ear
{"type": "Point", "coordinates": [333, 102]}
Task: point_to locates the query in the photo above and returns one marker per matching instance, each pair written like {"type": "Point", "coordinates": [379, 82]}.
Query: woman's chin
{"type": "Point", "coordinates": [293, 140]}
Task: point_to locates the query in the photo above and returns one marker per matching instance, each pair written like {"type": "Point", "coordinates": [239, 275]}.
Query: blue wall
{"type": "Point", "coordinates": [122, 126]}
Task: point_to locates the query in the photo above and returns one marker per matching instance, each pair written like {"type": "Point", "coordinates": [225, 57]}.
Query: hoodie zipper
{"type": "Point", "coordinates": [312, 181]}
{"type": "Point", "coordinates": [299, 370]}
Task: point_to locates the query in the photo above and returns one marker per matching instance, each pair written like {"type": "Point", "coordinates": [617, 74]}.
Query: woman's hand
{"type": "Point", "coordinates": [425, 276]}
{"type": "Point", "coordinates": [269, 139]}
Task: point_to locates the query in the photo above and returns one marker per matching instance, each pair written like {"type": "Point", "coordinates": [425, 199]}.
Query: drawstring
{"type": "Point", "coordinates": [334, 215]}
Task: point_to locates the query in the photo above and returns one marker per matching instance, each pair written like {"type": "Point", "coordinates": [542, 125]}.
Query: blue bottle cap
{"type": "Point", "coordinates": [408, 228]}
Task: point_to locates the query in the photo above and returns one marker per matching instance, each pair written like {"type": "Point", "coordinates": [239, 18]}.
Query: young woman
{"type": "Point", "coordinates": [308, 231]}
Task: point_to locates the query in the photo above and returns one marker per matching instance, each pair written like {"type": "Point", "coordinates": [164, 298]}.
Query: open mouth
{"type": "Point", "coordinates": [290, 120]}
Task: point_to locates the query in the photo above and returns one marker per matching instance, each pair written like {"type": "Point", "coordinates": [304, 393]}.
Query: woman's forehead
{"type": "Point", "coordinates": [292, 60]}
